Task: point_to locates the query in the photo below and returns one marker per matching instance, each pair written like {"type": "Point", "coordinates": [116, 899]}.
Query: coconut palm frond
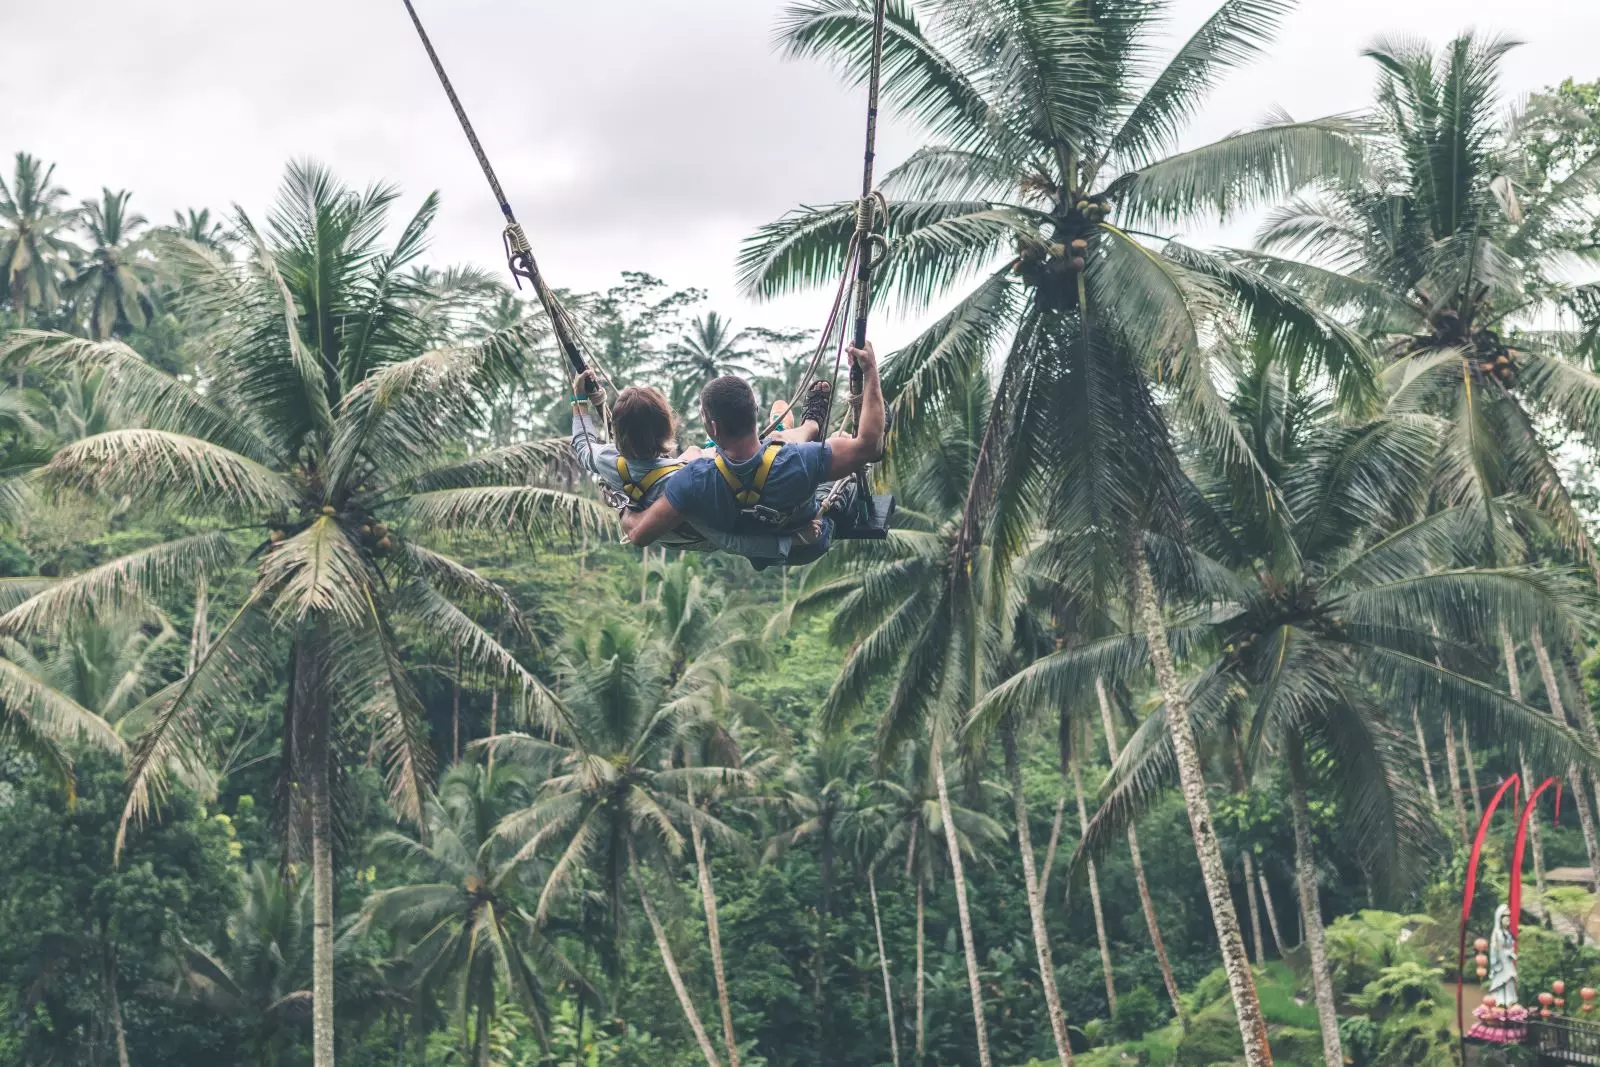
{"type": "Point", "coordinates": [154, 467]}
{"type": "Point", "coordinates": [1235, 34]}
{"type": "Point", "coordinates": [319, 571]}
{"type": "Point", "coordinates": [1239, 172]}
{"type": "Point", "coordinates": [123, 584]}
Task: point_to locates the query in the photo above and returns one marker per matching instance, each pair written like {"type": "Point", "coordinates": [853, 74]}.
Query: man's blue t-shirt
{"type": "Point", "coordinates": [701, 495]}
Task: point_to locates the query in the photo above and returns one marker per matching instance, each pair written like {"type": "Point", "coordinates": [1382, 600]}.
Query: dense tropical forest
{"type": "Point", "coordinates": [1225, 588]}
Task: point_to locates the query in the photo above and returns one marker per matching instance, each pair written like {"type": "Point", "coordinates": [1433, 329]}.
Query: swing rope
{"type": "Point", "coordinates": [867, 249]}
{"type": "Point", "coordinates": [519, 254]}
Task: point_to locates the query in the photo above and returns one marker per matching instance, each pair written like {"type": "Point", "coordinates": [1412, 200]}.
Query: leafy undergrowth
{"type": "Point", "coordinates": [1213, 1036]}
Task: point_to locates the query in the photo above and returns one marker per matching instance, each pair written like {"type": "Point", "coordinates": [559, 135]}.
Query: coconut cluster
{"type": "Point", "coordinates": [1487, 355]}
{"type": "Point", "coordinates": [374, 533]}
{"type": "Point", "coordinates": [1052, 265]}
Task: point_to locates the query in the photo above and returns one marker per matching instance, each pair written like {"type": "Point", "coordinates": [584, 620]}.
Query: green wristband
{"type": "Point", "coordinates": [580, 400]}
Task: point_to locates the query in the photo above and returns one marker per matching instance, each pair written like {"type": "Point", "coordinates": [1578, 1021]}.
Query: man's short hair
{"type": "Point", "coordinates": [644, 423]}
{"type": "Point", "coordinates": [729, 402]}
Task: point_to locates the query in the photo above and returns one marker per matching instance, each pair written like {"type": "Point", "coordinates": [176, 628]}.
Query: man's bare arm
{"type": "Point", "coordinates": [642, 528]}
{"type": "Point", "coordinates": [850, 455]}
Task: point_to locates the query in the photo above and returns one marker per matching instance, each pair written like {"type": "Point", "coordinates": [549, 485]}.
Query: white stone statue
{"type": "Point", "coordinates": [1502, 981]}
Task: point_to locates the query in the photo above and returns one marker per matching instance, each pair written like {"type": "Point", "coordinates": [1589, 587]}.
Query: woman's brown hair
{"type": "Point", "coordinates": [644, 423]}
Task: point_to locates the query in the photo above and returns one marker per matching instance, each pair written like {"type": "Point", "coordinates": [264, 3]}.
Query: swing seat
{"type": "Point", "coordinates": [860, 515]}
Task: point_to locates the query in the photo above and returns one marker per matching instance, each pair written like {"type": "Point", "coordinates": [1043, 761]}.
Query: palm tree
{"type": "Point", "coordinates": [710, 348]}
{"type": "Point", "coordinates": [109, 288]}
{"type": "Point", "coordinates": [1052, 143]}
{"type": "Point", "coordinates": [1302, 616]}
{"type": "Point", "coordinates": [262, 972]}
{"type": "Point", "coordinates": [821, 795]}
{"type": "Point", "coordinates": [698, 629]}
{"type": "Point", "coordinates": [319, 451]}
{"type": "Point", "coordinates": [34, 248]}
{"type": "Point", "coordinates": [613, 804]}
{"type": "Point", "coordinates": [1443, 248]}
{"type": "Point", "coordinates": [459, 916]}
{"type": "Point", "coordinates": [908, 803]}
{"type": "Point", "coordinates": [198, 227]}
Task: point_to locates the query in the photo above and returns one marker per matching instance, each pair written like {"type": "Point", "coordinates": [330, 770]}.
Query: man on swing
{"type": "Point", "coordinates": [750, 486]}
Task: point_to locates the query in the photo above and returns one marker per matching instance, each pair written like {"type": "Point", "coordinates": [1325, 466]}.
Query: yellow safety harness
{"type": "Point", "coordinates": [748, 494]}
{"type": "Point", "coordinates": [636, 490]}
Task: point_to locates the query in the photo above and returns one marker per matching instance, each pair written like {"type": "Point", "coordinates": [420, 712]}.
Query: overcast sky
{"type": "Point", "coordinates": [630, 134]}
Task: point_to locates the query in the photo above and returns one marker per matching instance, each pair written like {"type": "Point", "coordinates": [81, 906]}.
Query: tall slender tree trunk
{"type": "Point", "coordinates": [494, 723]}
{"type": "Point", "coordinates": [1241, 983]}
{"type": "Point", "coordinates": [1050, 849]}
{"type": "Point", "coordinates": [1453, 769]}
{"type": "Point", "coordinates": [114, 1004]}
{"type": "Point", "coordinates": [1574, 776]}
{"type": "Point", "coordinates": [1306, 874]}
{"type": "Point", "coordinates": [958, 875]}
{"type": "Point", "coordinates": [1030, 882]}
{"type": "Point", "coordinates": [1076, 768]}
{"type": "Point", "coordinates": [670, 962]}
{"type": "Point", "coordinates": [455, 710]}
{"type": "Point", "coordinates": [1241, 785]}
{"type": "Point", "coordinates": [319, 773]}
{"type": "Point", "coordinates": [200, 632]}
{"type": "Point", "coordinates": [1508, 650]}
{"type": "Point", "coordinates": [922, 972]}
{"type": "Point", "coordinates": [708, 900]}
{"type": "Point", "coordinates": [1272, 913]}
{"type": "Point", "coordinates": [1249, 866]}
{"type": "Point", "coordinates": [1146, 901]}
{"type": "Point", "coordinates": [1472, 774]}
{"type": "Point", "coordinates": [1581, 712]}
{"type": "Point", "coordinates": [883, 963]}
{"type": "Point", "coordinates": [480, 1040]}
{"type": "Point", "coordinates": [819, 972]}
{"type": "Point", "coordinates": [1422, 756]}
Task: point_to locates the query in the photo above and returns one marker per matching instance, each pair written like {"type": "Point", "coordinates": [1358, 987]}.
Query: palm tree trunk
{"type": "Point", "coordinates": [1094, 890]}
{"type": "Point", "coordinates": [494, 723]}
{"type": "Point", "coordinates": [1050, 849]}
{"type": "Point", "coordinates": [1250, 899]}
{"type": "Point", "coordinates": [956, 873]}
{"type": "Point", "coordinates": [319, 773]}
{"type": "Point", "coordinates": [1453, 769]}
{"type": "Point", "coordinates": [1272, 913]}
{"type": "Point", "coordinates": [708, 899]}
{"type": "Point", "coordinates": [922, 973]}
{"type": "Point", "coordinates": [1241, 785]}
{"type": "Point", "coordinates": [1574, 775]}
{"type": "Point", "coordinates": [883, 963]}
{"type": "Point", "coordinates": [455, 710]}
{"type": "Point", "coordinates": [1422, 755]}
{"type": "Point", "coordinates": [114, 1003]}
{"type": "Point", "coordinates": [1146, 901]}
{"type": "Point", "coordinates": [670, 962]}
{"type": "Point", "coordinates": [480, 1040]}
{"type": "Point", "coordinates": [1472, 774]}
{"type": "Point", "coordinates": [1030, 882]}
{"type": "Point", "coordinates": [200, 631]}
{"type": "Point", "coordinates": [1508, 650]}
{"type": "Point", "coordinates": [1241, 983]}
{"type": "Point", "coordinates": [1306, 875]}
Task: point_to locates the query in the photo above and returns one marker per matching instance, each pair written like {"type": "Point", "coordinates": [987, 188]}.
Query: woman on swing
{"type": "Point", "coordinates": [641, 461]}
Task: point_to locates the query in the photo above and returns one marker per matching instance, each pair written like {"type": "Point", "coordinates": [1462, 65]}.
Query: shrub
{"type": "Point", "coordinates": [1138, 1012]}
{"type": "Point", "coordinates": [1359, 1036]}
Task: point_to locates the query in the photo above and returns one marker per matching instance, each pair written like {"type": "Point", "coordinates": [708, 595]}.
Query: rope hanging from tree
{"type": "Point", "coordinates": [519, 254]}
